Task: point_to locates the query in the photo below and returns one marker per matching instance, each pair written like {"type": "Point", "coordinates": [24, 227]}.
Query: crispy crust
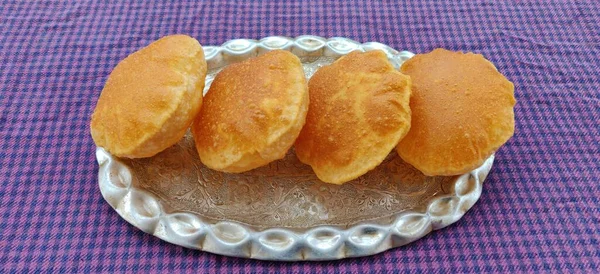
{"type": "Point", "coordinates": [252, 113]}
{"type": "Point", "coordinates": [150, 98]}
{"type": "Point", "coordinates": [359, 110]}
{"type": "Point", "coordinates": [462, 112]}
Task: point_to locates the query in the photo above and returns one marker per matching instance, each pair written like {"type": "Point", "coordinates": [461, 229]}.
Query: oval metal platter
{"type": "Point", "coordinates": [282, 211]}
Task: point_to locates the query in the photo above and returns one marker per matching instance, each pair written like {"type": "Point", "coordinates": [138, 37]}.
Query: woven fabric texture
{"type": "Point", "coordinates": [539, 210]}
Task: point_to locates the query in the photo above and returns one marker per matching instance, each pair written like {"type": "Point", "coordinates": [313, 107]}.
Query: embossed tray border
{"type": "Point", "coordinates": [144, 211]}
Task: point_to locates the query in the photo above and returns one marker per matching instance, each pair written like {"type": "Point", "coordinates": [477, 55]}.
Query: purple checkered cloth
{"type": "Point", "coordinates": [539, 210]}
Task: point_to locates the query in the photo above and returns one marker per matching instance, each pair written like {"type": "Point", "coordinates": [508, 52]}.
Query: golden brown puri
{"type": "Point", "coordinates": [252, 113]}
{"type": "Point", "coordinates": [150, 98]}
{"type": "Point", "coordinates": [359, 110]}
{"type": "Point", "coordinates": [462, 112]}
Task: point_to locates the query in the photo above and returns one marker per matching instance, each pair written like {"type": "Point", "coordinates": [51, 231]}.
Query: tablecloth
{"type": "Point", "coordinates": [539, 210]}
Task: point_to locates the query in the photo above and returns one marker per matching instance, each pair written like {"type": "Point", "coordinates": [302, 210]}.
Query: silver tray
{"type": "Point", "coordinates": [282, 211]}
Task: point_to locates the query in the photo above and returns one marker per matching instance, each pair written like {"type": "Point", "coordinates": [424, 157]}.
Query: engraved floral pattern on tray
{"type": "Point", "coordinates": [285, 193]}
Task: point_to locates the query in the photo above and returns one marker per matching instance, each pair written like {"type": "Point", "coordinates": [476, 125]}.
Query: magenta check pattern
{"type": "Point", "coordinates": [540, 207]}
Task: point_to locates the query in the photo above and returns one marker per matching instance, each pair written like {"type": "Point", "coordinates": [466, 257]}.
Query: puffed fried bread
{"type": "Point", "coordinates": [150, 98]}
{"type": "Point", "coordinates": [252, 113]}
{"type": "Point", "coordinates": [359, 110]}
{"type": "Point", "coordinates": [462, 112]}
